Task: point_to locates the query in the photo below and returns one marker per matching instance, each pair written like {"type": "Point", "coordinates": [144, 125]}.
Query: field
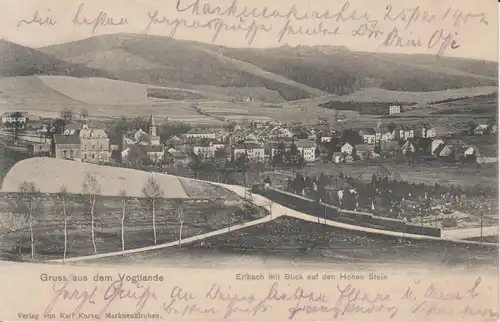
{"type": "Point", "coordinates": [378, 95]}
{"type": "Point", "coordinates": [200, 216]}
{"type": "Point", "coordinates": [292, 240]}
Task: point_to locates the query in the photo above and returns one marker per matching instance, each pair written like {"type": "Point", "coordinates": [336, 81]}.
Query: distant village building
{"type": "Point", "coordinates": [394, 109]}
{"type": "Point", "coordinates": [179, 158]}
{"type": "Point", "coordinates": [202, 134]}
{"type": "Point", "coordinates": [207, 149]}
{"type": "Point", "coordinates": [369, 136]}
{"type": "Point", "coordinates": [67, 147]}
{"type": "Point", "coordinates": [346, 149]}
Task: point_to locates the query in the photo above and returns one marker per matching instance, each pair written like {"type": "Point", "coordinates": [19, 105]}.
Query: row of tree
{"type": "Point", "coordinates": [29, 202]}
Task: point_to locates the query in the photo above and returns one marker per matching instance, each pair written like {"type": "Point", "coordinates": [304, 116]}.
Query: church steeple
{"type": "Point", "coordinates": [152, 126]}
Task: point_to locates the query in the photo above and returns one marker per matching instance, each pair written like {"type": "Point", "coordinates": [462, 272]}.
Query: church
{"type": "Point", "coordinates": [144, 145]}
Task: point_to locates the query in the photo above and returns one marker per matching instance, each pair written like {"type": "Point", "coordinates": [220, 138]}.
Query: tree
{"type": "Point", "coordinates": [64, 198]}
{"type": "Point", "coordinates": [16, 124]}
{"type": "Point", "coordinates": [59, 126]}
{"type": "Point", "coordinates": [67, 114]}
{"type": "Point", "coordinates": [270, 203]}
{"type": "Point", "coordinates": [242, 164]}
{"type": "Point", "coordinates": [84, 114]}
{"type": "Point", "coordinates": [180, 218]}
{"type": "Point", "coordinates": [123, 195]}
{"type": "Point", "coordinates": [30, 196]}
{"type": "Point", "coordinates": [354, 153]}
{"type": "Point", "coordinates": [91, 189]}
{"type": "Point", "coordinates": [391, 127]}
{"type": "Point", "coordinates": [152, 192]}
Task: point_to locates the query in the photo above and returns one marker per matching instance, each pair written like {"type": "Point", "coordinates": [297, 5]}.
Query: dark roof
{"type": "Point", "coordinates": [364, 147]}
{"type": "Point", "coordinates": [67, 139]}
{"type": "Point", "coordinates": [367, 131]}
{"type": "Point", "coordinates": [153, 148]}
{"type": "Point", "coordinates": [178, 154]}
{"type": "Point", "coordinates": [248, 146]}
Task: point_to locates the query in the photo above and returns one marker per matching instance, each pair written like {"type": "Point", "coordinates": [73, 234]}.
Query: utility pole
{"type": "Point", "coordinates": [481, 219]}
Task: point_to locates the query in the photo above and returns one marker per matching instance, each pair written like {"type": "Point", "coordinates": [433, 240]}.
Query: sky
{"type": "Point", "coordinates": [457, 28]}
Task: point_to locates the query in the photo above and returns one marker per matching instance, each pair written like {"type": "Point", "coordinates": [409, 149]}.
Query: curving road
{"type": "Point", "coordinates": [276, 210]}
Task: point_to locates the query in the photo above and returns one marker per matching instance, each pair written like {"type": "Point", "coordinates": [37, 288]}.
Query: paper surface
{"type": "Point", "coordinates": [454, 281]}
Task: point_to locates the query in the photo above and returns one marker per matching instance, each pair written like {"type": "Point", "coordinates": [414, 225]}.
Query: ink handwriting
{"type": "Point", "coordinates": [38, 20]}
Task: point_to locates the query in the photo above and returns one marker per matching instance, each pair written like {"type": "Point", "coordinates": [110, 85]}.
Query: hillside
{"type": "Point", "coordinates": [136, 58]}
{"type": "Point", "coordinates": [341, 71]}
{"type": "Point", "coordinates": [377, 95]}
{"type": "Point", "coordinates": [18, 60]}
{"type": "Point", "coordinates": [294, 72]}
{"type": "Point", "coordinates": [49, 175]}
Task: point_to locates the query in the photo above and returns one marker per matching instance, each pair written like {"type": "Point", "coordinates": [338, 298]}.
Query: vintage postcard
{"type": "Point", "coordinates": [243, 160]}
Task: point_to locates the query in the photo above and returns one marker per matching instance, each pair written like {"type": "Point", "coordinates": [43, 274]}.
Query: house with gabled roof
{"type": "Point", "coordinates": [368, 134]}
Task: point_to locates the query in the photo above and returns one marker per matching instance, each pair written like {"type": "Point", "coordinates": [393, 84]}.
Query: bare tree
{"type": "Point", "coordinates": [152, 192]}
{"type": "Point", "coordinates": [180, 218]}
{"type": "Point", "coordinates": [123, 195]}
{"type": "Point", "coordinates": [269, 203]}
{"type": "Point", "coordinates": [67, 114]}
{"type": "Point", "coordinates": [64, 198]}
{"type": "Point", "coordinates": [84, 114]}
{"type": "Point", "coordinates": [30, 196]}
{"type": "Point", "coordinates": [91, 188]}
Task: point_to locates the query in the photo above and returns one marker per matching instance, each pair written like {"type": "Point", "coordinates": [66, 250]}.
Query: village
{"type": "Point", "coordinates": [282, 155]}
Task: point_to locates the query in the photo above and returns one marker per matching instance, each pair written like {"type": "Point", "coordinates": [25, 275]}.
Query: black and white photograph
{"type": "Point", "coordinates": [228, 134]}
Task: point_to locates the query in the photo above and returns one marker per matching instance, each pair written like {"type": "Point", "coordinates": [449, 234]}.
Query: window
{"type": "Point", "coordinates": [71, 154]}
{"type": "Point", "coordinates": [64, 154]}
{"type": "Point", "coordinates": [93, 156]}
{"type": "Point", "coordinates": [93, 146]}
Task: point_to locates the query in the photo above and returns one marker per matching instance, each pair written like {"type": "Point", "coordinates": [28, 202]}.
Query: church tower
{"type": "Point", "coordinates": [152, 126]}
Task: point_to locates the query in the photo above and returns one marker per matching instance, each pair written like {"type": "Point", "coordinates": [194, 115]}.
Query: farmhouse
{"type": "Point", "coordinates": [366, 151]}
{"type": "Point", "coordinates": [425, 131]}
{"type": "Point", "coordinates": [66, 147]}
{"type": "Point", "coordinates": [408, 147]}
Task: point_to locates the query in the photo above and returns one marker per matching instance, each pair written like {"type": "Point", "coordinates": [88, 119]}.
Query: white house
{"type": "Point", "coordinates": [368, 135]}
{"type": "Point", "coordinates": [394, 109]}
{"type": "Point", "coordinates": [207, 150]}
{"type": "Point", "coordinates": [434, 144]}
{"type": "Point", "coordinates": [254, 152]}
{"type": "Point", "coordinates": [307, 148]}
{"type": "Point", "coordinates": [346, 149]}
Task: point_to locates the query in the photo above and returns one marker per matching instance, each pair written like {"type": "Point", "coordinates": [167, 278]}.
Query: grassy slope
{"type": "Point", "coordinates": [340, 71]}
{"type": "Point", "coordinates": [181, 61]}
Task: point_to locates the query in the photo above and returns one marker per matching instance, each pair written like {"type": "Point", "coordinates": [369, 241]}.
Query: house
{"type": "Point", "coordinates": [408, 147]}
{"type": "Point", "coordinates": [66, 147]}
{"type": "Point", "coordinates": [378, 134]}
{"type": "Point", "coordinates": [41, 148]}
{"type": "Point", "coordinates": [202, 134]}
{"type": "Point", "coordinates": [487, 154]}
{"type": "Point", "coordinates": [404, 132]}
{"type": "Point", "coordinates": [346, 149]}
{"type": "Point", "coordinates": [394, 109]}
{"type": "Point", "coordinates": [206, 149]}
{"type": "Point", "coordinates": [365, 151]}
{"type": "Point", "coordinates": [337, 157]}
{"type": "Point", "coordinates": [368, 135]}
{"type": "Point", "coordinates": [386, 135]}
{"type": "Point", "coordinates": [425, 131]}
{"type": "Point", "coordinates": [434, 145]}
{"type": "Point", "coordinates": [389, 147]}
{"type": "Point", "coordinates": [254, 152]}
{"type": "Point", "coordinates": [493, 129]}
{"type": "Point", "coordinates": [444, 151]}
{"type": "Point", "coordinates": [307, 148]}
{"type": "Point", "coordinates": [94, 145]}
{"type": "Point", "coordinates": [179, 158]}
{"type": "Point", "coordinates": [72, 129]}
{"type": "Point", "coordinates": [154, 152]}
{"type": "Point", "coordinates": [480, 129]}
